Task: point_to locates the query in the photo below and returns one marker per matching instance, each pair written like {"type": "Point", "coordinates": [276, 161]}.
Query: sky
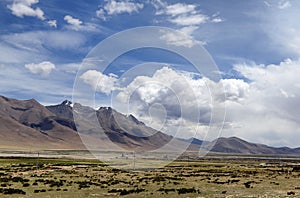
{"type": "Point", "coordinates": [46, 47]}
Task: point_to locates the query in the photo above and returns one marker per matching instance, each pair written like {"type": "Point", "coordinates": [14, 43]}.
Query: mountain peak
{"type": "Point", "coordinates": [105, 108]}
{"type": "Point", "coordinates": [134, 119]}
{"type": "Point", "coordinates": [66, 102]}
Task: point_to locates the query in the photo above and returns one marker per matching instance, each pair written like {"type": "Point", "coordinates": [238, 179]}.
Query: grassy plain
{"type": "Point", "coordinates": [43, 177]}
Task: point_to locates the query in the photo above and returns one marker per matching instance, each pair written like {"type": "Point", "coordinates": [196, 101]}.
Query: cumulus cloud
{"type": "Point", "coordinates": [261, 107]}
{"type": "Point", "coordinates": [235, 89]}
{"type": "Point", "coordinates": [113, 7]}
{"type": "Point", "coordinates": [52, 23]}
{"type": "Point", "coordinates": [76, 23]}
{"type": "Point", "coordinates": [99, 81]}
{"type": "Point", "coordinates": [268, 113]}
{"type": "Point", "coordinates": [21, 8]}
{"type": "Point", "coordinates": [43, 68]}
{"type": "Point", "coordinates": [181, 97]}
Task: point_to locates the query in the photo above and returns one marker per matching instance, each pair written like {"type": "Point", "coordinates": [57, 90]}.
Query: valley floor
{"type": "Point", "coordinates": [62, 177]}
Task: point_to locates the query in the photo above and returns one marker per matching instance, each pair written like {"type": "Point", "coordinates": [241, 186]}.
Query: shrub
{"type": "Point", "coordinates": [167, 190]}
{"type": "Point", "coordinates": [158, 179]}
{"type": "Point", "coordinates": [10, 191]}
{"type": "Point", "coordinates": [291, 193]}
{"type": "Point", "coordinates": [186, 190]}
{"type": "Point", "coordinates": [247, 184]}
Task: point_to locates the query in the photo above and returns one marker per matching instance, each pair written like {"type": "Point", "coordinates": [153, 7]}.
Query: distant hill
{"type": "Point", "coordinates": [237, 145]}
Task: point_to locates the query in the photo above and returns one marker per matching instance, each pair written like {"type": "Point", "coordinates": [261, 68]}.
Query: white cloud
{"type": "Point", "coordinates": [21, 8]}
{"type": "Point", "coordinates": [186, 17]}
{"type": "Point", "coordinates": [282, 27]}
{"type": "Point", "coordinates": [235, 89]}
{"type": "Point", "coordinates": [179, 39]}
{"type": "Point", "coordinates": [52, 23]}
{"type": "Point", "coordinates": [217, 20]}
{"type": "Point", "coordinates": [113, 7]}
{"type": "Point", "coordinates": [159, 5]}
{"type": "Point", "coordinates": [169, 97]}
{"type": "Point", "coordinates": [99, 81]}
{"type": "Point", "coordinates": [101, 14]}
{"type": "Point", "coordinates": [46, 90]}
{"type": "Point", "coordinates": [43, 68]}
{"type": "Point", "coordinates": [188, 30]}
{"type": "Point", "coordinates": [269, 110]}
{"type": "Point", "coordinates": [76, 23]}
{"type": "Point", "coordinates": [180, 8]}
{"type": "Point", "coordinates": [182, 14]}
{"type": "Point", "coordinates": [29, 45]}
{"type": "Point", "coordinates": [262, 109]}
{"type": "Point", "coordinates": [187, 20]}
{"type": "Point", "coordinates": [284, 4]}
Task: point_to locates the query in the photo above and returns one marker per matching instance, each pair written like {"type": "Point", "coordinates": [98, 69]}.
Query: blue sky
{"type": "Point", "coordinates": [255, 44]}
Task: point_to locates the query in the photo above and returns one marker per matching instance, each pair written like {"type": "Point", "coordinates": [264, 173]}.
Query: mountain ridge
{"type": "Point", "coordinates": [27, 124]}
{"type": "Point", "coordinates": [240, 146]}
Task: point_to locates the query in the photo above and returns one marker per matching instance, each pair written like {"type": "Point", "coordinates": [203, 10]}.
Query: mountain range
{"type": "Point", "coordinates": [27, 124]}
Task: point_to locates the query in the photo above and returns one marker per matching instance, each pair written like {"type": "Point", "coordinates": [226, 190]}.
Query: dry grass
{"type": "Point", "coordinates": [19, 177]}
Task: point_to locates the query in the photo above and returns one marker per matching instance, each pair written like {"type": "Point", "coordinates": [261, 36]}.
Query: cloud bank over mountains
{"type": "Point", "coordinates": [263, 102]}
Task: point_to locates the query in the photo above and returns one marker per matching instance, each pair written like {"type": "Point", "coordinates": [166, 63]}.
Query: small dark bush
{"type": "Point", "coordinates": [126, 192]}
{"type": "Point", "coordinates": [10, 191]}
{"type": "Point", "coordinates": [186, 190]}
{"type": "Point", "coordinates": [4, 179]}
{"type": "Point", "coordinates": [291, 193]}
{"type": "Point", "coordinates": [17, 179]}
{"type": "Point", "coordinates": [167, 190]}
{"type": "Point", "coordinates": [158, 179]}
{"type": "Point", "coordinates": [247, 184]}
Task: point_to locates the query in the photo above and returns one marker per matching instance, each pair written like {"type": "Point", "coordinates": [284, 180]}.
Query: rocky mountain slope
{"type": "Point", "coordinates": [26, 124]}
